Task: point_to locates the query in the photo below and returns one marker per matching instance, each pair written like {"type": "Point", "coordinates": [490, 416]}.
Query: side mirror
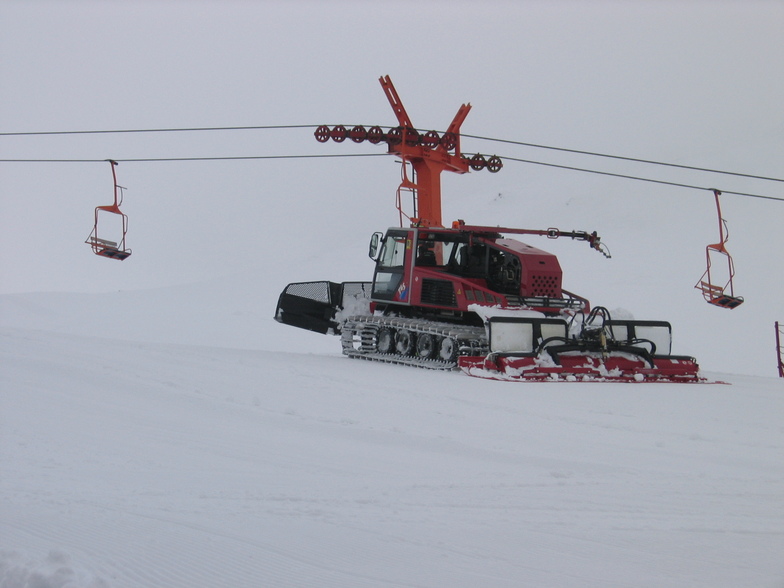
{"type": "Point", "coordinates": [373, 249]}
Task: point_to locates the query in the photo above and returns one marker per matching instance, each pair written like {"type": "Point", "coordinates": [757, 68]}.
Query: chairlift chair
{"type": "Point", "coordinates": [714, 293]}
{"type": "Point", "coordinates": [107, 247]}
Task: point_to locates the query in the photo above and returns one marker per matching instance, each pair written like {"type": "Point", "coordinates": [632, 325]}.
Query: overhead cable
{"type": "Point", "coordinates": [622, 158]}
{"type": "Point", "coordinates": [638, 178]}
{"type": "Point", "coordinates": [479, 137]}
{"type": "Point", "coordinates": [223, 158]}
{"type": "Point", "coordinates": [173, 130]}
{"type": "Point", "coordinates": [327, 155]}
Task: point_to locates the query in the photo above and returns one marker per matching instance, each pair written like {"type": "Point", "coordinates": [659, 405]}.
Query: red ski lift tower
{"type": "Point", "coordinates": [100, 245]}
{"type": "Point", "coordinates": [712, 289]}
{"type": "Point", "coordinates": [427, 155]}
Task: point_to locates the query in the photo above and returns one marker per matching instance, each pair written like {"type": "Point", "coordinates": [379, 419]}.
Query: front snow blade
{"type": "Point", "coordinates": [315, 306]}
{"type": "Point", "coordinates": [309, 305]}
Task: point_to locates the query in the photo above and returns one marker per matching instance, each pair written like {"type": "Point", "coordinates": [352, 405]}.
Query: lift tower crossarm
{"type": "Point", "coordinates": [394, 101]}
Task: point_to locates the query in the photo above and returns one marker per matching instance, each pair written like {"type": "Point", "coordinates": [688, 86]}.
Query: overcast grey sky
{"type": "Point", "coordinates": [697, 83]}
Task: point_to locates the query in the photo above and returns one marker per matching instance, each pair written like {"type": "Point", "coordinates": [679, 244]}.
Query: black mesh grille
{"type": "Point", "coordinates": [438, 292]}
{"type": "Point", "coordinates": [310, 290]}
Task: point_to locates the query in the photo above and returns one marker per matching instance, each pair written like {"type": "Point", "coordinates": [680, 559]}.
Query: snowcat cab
{"type": "Point", "coordinates": [441, 273]}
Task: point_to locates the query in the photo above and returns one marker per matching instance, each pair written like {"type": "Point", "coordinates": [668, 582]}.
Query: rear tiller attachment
{"type": "Point", "coordinates": [537, 348]}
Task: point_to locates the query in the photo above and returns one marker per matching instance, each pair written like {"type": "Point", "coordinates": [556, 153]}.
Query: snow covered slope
{"type": "Point", "coordinates": [130, 464]}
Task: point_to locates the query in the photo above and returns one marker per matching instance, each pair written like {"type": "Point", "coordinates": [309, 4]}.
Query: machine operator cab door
{"type": "Point", "coordinates": [391, 281]}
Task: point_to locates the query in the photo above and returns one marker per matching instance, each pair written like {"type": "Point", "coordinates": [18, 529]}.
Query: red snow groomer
{"type": "Point", "coordinates": [468, 296]}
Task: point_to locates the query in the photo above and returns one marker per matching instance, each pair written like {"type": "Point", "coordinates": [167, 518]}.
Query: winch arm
{"type": "Point", "coordinates": [593, 238]}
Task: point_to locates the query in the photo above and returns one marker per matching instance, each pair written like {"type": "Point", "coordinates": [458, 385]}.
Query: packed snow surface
{"type": "Point", "coordinates": [130, 464]}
